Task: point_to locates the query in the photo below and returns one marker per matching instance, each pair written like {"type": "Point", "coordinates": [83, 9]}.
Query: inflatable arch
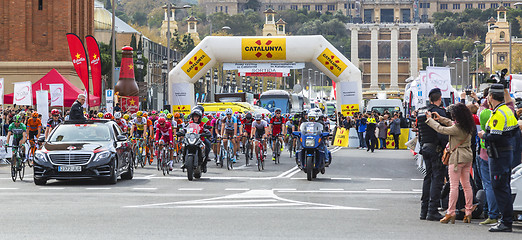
{"type": "Point", "coordinates": [236, 49]}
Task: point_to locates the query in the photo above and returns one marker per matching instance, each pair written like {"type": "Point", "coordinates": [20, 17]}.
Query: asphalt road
{"type": "Point", "coordinates": [362, 196]}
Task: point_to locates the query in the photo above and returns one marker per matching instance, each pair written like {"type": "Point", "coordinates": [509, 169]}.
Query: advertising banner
{"type": "Point", "coordinates": [95, 62]}
{"type": "Point", "coordinates": [196, 63]}
{"type": "Point", "coordinates": [1, 91]}
{"type": "Point", "coordinates": [332, 62]}
{"type": "Point", "coordinates": [181, 101]}
{"type": "Point", "coordinates": [23, 94]}
{"type": "Point", "coordinates": [79, 59]}
{"type": "Point", "coordinates": [348, 95]}
{"type": "Point", "coordinates": [42, 104]}
{"type": "Point", "coordinates": [263, 49]}
{"type": "Point", "coordinates": [130, 104]}
{"type": "Point", "coordinates": [56, 95]}
{"type": "Point", "coordinates": [341, 137]}
{"type": "Point", "coordinates": [109, 100]}
{"type": "Point", "coordinates": [245, 67]}
{"type": "Point", "coordinates": [439, 77]}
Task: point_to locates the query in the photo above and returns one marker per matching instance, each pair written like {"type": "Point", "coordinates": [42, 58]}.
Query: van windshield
{"type": "Point", "coordinates": [389, 108]}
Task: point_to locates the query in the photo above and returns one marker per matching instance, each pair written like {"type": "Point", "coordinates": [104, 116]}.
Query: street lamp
{"type": "Point", "coordinates": [465, 55]}
{"type": "Point", "coordinates": [309, 83]}
{"type": "Point", "coordinates": [164, 72]}
{"type": "Point", "coordinates": [315, 79]}
{"type": "Point", "coordinates": [454, 63]}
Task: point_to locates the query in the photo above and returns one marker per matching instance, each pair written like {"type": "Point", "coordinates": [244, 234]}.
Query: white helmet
{"type": "Point", "coordinates": [312, 115]}
{"type": "Point", "coordinates": [228, 111]}
{"type": "Point", "coordinates": [117, 115]}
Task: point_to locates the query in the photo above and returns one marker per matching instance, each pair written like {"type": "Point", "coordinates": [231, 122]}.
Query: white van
{"type": "Point", "coordinates": [380, 105]}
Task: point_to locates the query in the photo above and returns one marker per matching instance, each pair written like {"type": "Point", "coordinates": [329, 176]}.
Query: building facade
{"type": "Point", "coordinates": [362, 11]}
{"type": "Point", "coordinates": [33, 38]}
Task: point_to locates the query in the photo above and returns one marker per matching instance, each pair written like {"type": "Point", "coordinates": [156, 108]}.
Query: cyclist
{"type": "Point", "coordinates": [34, 128]}
{"type": "Point", "coordinates": [259, 130]}
{"type": "Point", "coordinates": [153, 117]}
{"type": "Point", "coordinates": [150, 133]}
{"type": "Point", "coordinates": [229, 130]}
{"type": "Point", "coordinates": [216, 133]}
{"type": "Point", "coordinates": [164, 137]}
{"type": "Point", "coordinates": [247, 126]}
{"type": "Point", "coordinates": [19, 132]}
{"type": "Point", "coordinates": [138, 126]}
{"type": "Point", "coordinates": [174, 127]}
{"type": "Point", "coordinates": [276, 127]}
{"type": "Point", "coordinates": [121, 122]}
{"type": "Point", "coordinates": [195, 116]}
{"type": "Point", "coordinates": [53, 121]}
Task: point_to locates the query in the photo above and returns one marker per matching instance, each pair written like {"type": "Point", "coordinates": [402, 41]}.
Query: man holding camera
{"type": "Point", "coordinates": [432, 144]}
{"type": "Point", "coordinates": [500, 129]}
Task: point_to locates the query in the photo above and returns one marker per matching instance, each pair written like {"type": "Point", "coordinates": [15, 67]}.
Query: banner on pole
{"type": "Point", "coordinates": [56, 95]}
{"type": "Point", "coordinates": [439, 77]}
{"type": "Point", "coordinates": [95, 62]}
{"type": "Point", "coordinates": [1, 91]}
{"type": "Point", "coordinates": [341, 137]}
{"type": "Point", "coordinates": [23, 94]}
{"type": "Point", "coordinates": [42, 104]}
{"type": "Point", "coordinates": [109, 100]}
{"type": "Point", "coordinates": [79, 59]}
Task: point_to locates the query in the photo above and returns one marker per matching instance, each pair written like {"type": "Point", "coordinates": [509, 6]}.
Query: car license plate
{"type": "Point", "coordinates": [69, 168]}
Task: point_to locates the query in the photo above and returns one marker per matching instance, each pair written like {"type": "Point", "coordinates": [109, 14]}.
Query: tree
{"type": "Point", "coordinates": [253, 4]}
{"type": "Point", "coordinates": [140, 18]}
{"type": "Point", "coordinates": [108, 5]}
{"type": "Point", "coordinates": [140, 45]}
{"type": "Point", "coordinates": [133, 42]}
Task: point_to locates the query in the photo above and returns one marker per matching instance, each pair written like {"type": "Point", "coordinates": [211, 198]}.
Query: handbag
{"type": "Point", "coordinates": [446, 154]}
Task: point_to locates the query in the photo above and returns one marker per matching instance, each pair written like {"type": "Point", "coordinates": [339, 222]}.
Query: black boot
{"type": "Point", "coordinates": [424, 212]}
{"type": "Point", "coordinates": [434, 216]}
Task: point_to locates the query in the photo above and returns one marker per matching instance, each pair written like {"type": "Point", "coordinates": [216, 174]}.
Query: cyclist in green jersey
{"type": "Point", "coordinates": [18, 130]}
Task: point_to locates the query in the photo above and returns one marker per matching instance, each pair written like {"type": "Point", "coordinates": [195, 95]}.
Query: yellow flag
{"type": "Point", "coordinates": [341, 137]}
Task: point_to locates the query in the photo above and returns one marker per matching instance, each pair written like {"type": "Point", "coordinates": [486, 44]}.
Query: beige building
{"type": "Point", "coordinates": [367, 11]}
{"type": "Point", "coordinates": [496, 51]}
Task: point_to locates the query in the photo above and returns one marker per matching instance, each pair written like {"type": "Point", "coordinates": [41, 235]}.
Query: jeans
{"type": "Point", "coordinates": [433, 181]}
{"type": "Point", "coordinates": [500, 170]}
{"type": "Point", "coordinates": [396, 140]}
{"type": "Point", "coordinates": [383, 143]}
{"type": "Point", "coordinates": [461, 174]}
{"type": "Point", "coordinates": [486, 184]}
{"type": "Point", "coordinates": [362, 143]}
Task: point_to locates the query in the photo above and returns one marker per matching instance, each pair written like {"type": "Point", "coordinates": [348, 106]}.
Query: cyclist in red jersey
{"type": "Point", "coordinates": [277, 128]}
{"type": "Point", "coordinates": [247, 126]}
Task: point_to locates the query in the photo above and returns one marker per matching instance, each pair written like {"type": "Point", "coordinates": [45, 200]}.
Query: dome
{"type": "Point", "coordinates": [102, 19]}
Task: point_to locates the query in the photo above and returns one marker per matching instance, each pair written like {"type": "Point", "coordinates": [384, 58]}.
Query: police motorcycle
{"type": "Point", "coordinates": [193, 150]}
{"type": "Point", "coordinates": [310, 157]}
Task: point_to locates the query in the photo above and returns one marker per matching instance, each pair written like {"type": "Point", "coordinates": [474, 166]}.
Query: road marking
{"type": "Point", "coordinates": [98, 188]}
{"type": "Point", "coordinates": [347, 179]}
{"type": "Point", "coordinates": [417, 190]}
{"type": "Point", "coordinates": [293, 173]}
{"type": "Point", "coordinates": [417, 179]}
{"type": "Point", "coordinates": [353, 192]}
{"type": "Point", "coordinates": [336, 149]}
{"type": "Point", "coordinates": [190, 189]}
{"type": "Point", "coordinates": [331, 189]}
{"type": "Point", "coordinates": [52, 188]}
{"type": "Point", "coordinates": [378, 189]}
{"type": "Point", "coordinates": [297, 178]}
{"type": "Point", "coordinates": [145, 188]}
{"type": "Point", "coordinates": [283, 175]}
{"type": "Point", "coordinates": [7, 188]}
{"type": "Point", "coordinates": [381, 179]}
{"type": "Point", "coordinates": [262, 178]}
{"type": "Point", "coordinates": [284, 189]}
{"type": "Point", "coordinates": [236, 189]}
{"type": "Point", "coordinates": [251, 199]}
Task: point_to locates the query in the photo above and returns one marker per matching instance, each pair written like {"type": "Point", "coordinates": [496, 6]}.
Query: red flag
{"type": "Point", "coordinates": [95, 62]}
{"type": "Point", "coordinates": [79, 58]}
{"type": "Point", "coordinates": [334, 86]}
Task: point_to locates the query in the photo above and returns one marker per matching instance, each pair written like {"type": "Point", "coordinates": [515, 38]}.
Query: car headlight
{"type": "Point", "coordinates": [40, 156]}
{"type": "Point", "coordinates": [102, 155]}
{"type": "Point", "coordinates": [310, 142]}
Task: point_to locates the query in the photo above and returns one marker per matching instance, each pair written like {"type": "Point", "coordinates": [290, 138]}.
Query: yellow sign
{"type": "Point", "coordinates": [341, 137]}
{"type": "Point", "coordinates": [349, 109]}
{"type": "Point", "coordinates": [403, 138]}
{"type": "Point", "coordinates": [196, 63]}
{"type": "Point", "coordinates": [332, 62]}
{"type": "Point", "coordinates": [185, 109]}
{"type": "Point", "coordinates": [263, 49]}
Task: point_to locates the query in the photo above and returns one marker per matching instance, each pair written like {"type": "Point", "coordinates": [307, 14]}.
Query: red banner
{"type": "Point", "coordinates": [334, 88]}
{"type": "Point", "coordinates": [130, 103]}
{"type": "Point", "coordinates": [95, 62]}
{"type": "Point", "coordinates": [79, 58]}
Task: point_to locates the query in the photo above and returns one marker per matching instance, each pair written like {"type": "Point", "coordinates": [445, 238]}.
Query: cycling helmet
{"type": "Point", "coordinates": [139, 114]}
{"type": "Point", "coordinates": [153, 113]}
{"type": "Point", "coordinates": [117, 115]}
{"type": "Point", "coordinates": [134, 115]}
{"type": "Point", "coordinates": [126, 116]}
{"type": "Point", "coordinates": [100, 115]}
{"type": "Point", "coordinates": [277, 110]}
{"type": "Point", "coordinates": [35, 114]}
{"type": "Point", "coordinates": [259, 117]}
{"type": "Point", "coordinates": [145, 115]}
{"type": "Point", "coordinates": [169, 116]}
{"type": "Point", "coordinates": [262, 115]}
{"type": "Point", "coordinates": [22, 113]}
{"type": "Point", "coordinates": [55, 112]}
{"type": "Point", "coordinates": [108, 116]}
{"type": "Point", "coordinates": [176, 115]}
{"type": "Point", "coordinates": [162, 120]}
{"type": "Point", "coordinates": [218, 115]}
{"type": "Point", "coordinates": [248, 116]}
{"type": "Point", "coordinates": [166, 111]}
{"type": "Point", "coordinates": [17, 118]}
{"type": "Point", "coordinates": [162, 115]}
{"type": "Point", "coordinates": [228, 111]}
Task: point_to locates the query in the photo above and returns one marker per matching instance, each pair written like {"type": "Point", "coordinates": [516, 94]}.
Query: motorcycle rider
{"type": "Point", "coordinates": [313, 117]}
{"type": "Point", "coordinates": [196, 118]}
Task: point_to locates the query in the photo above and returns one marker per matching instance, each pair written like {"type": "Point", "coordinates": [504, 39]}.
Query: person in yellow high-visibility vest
{"type": "Point", "coordinates": [371, 139]}
{"type": "Point", "coordinates": [500, 129]}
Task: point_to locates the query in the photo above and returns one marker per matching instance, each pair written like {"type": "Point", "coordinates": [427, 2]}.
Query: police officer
{"type": "Point", "coordinates": [500, 129]}
{"type": "Point", "coordinates": [432, 144]}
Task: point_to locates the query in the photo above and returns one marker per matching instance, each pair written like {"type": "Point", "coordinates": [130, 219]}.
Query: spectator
{"type": "Point", "coordinates": [403, 121]}
{"type": "Point", "coordinates": [395, 129]}
{"type": "Point", "coordinates": [459, 164]}
{"type": "Point", "coordinates": [77, 108]}
{"type": "Point", "coordinates": [361, 128]}
{"type": "Point", "coordinates": [117, 108]}
{"type": "Point", "coordinates": [383, 132]}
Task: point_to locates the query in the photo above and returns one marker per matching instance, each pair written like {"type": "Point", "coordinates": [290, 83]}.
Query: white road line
{"type": "Point", "coordinates": [417, 179]}
{"type": "Point", "coordinates": [52, 188]}
{"type": "Point", "coordinates": [8, 188]}
{"type": "Point", "coordinates": [354, 192]}
{"type": "Point", "coordinates": [331, 189]}
{"type": "Point", "coordinates": [417, 190]}
{"type": "Point", "coordinates": [293, 173]}
{"type": "Point", "coordinates": [262, 178]}
{"type": "Point", "coordinates": [379, 189]}
{"type": "Point", "coordinates": [381, 179]}
{"type": "Point", "coordinates": [145, 188]}
{"type": "Point", "coordinates": [282, 175]}
{"type": "Point", "coordinates": [347, 179]}
{"type": "Point", "coordinates": [99, 188]}
{"type": "Point", "coordinates": [237, 189]}
{"type": "Point", "coordinates": [284, 189]}
{"type": "Point", "coordinates": [297, 178]}
{"type": "Point", "coordinates": [190, 189]}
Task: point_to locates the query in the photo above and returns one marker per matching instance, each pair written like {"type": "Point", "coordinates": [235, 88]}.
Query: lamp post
{"type": "Point", "coordinates": [322, 84]}
{"type": "Point", "coordinates": [139, 65]}
{"type": "Point", "coordinates": [454, 64]}
{"type": "Point", "coordinates": [465, 54]}
{"type": "Point", "coordinates": [309, 84]}
{"type": "Point", "coordinates": [164, 72]}
{"type": "Point", "coordinates": [315, 80]}
{"type": "Point", "coordinates": [476, 63]}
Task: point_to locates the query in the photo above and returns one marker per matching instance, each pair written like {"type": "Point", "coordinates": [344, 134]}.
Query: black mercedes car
{"type": "Point", "coordinates": [92, 149]}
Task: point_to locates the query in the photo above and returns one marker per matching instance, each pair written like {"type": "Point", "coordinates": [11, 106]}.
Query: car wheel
{"type": "Point", "coordinates": [130, 172]}
{"type": "Point", "coordinates": [40, 182]}
{"type": "Point", "coordinates": [114, 174]}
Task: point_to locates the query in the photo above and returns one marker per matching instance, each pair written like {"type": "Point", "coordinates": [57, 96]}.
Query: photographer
{"type": "Point", "coordinates": [432, 144]}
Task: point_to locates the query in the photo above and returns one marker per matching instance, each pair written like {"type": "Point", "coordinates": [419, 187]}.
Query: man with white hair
{"type": "Point", "coordinates": [76, 112]}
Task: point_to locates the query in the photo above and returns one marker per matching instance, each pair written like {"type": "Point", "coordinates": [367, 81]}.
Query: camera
{"type": "Point", "coordinates": [502, 78]}
{"type": "Point", "coordinates": [468, 92]}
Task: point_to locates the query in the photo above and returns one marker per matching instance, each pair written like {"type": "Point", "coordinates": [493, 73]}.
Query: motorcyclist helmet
{"type": "Point", "coordinates": [312, 116]}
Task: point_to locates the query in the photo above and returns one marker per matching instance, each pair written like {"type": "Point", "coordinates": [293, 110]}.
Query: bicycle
{"type": "Point", "coordinates": [163, 160]}
{"type": "Point", "coordinates": [139, 150]}
{"type": "Point", "coordinates": [276, 148]}
{"type": "Point", "coordinates": [260, 154]}
{"type": "Point", "coordinates": [17, 164]}
{"type": "Point", "coordinates": [248, 151]}
{"type": "Point", "coordinates": [30, 154]}
{"type": "Point", "coordinates": [292, 146]}
{"type": "Point", "coordinates": [221, 156]}
{"type": "Point", "coordinates": [228, 152]}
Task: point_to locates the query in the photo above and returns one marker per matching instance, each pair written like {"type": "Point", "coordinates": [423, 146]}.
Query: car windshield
{"type": "Point", "coordinates": [80, 133]}
{"type": "Point", "coordinates": [382, 109]}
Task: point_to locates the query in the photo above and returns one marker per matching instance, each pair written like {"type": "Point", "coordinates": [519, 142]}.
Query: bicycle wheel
{"type": "Point", "coordinates": [13, 170]}
{"type": "Point", "coordinates": [247, 153]}
{"type": "Point", "coordinates": [21, 170]}
{"type": "Point", "coordinates": [258, 157]}
{"type": "Point", "coordinates": [277, 151]}
{"type": "Point", "coordinates": [159, 160]}
{"type": "Point", "coordinates": [30, 157]}
{"type": "Point", "coordinates": [229, 159]}
{"type": "Point", "coordinates": [142, 155]}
